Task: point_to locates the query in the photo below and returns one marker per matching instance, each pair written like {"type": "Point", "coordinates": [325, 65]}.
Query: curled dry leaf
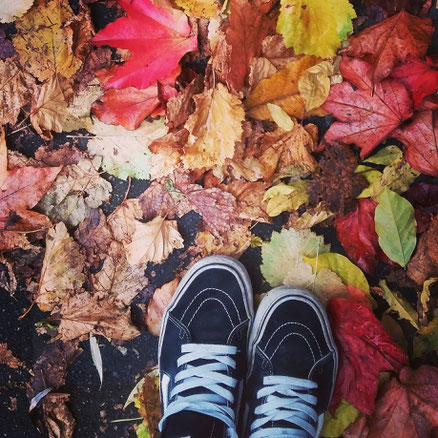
{"type": "Point", "coordinates": [7, 358]}
{"type": "Point", "coordinates": [209, 144]}
{"type": "Point", "coordinates": [158, 303]}
{"type": "Point", "coordinates": [58, 417]}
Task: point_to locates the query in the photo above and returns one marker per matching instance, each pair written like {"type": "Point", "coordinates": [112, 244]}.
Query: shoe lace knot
{"type": "Point", "coordinates": [285, 400]}
{"type": "Point", "coordinates": [203, 383]}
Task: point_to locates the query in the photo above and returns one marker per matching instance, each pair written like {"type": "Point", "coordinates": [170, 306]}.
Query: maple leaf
{"type": "Point", "coordinates": [390, 42]}
{"type": "Point", "coordinates": [16, 89]}
{"type": "Point", "coordinates": [43, 34]}
{"type": "Point", "coordinates": [357, 234]}
{"type": "Point", "coordinates": [419, 137]}
{"type": "Point", "coordinates": [407, 405]}
{"type": "Point", "coordinates": [209, 144]}
{"type": "Point", "coordinates": [337, 185]}
{"type": "Point", "coordinates": [367, 113]}
{"type": "Point", "coordinates": [364, 349]}
{"type": "Point", "coordinates": [157, 38]}
{"type": "Point", "coordinates": [315, 28]}
{"type": "Point", "coordinates": [247, 29]}
{"type": "Point", "coordinates": [158, 303]}
{"type": "Point", "coordinates": [420, 77]}
{"type": "Point", "coordinates": [282, 89]}
{"type": "Point", "coordinates": [11, 11]}
{"type": "Point", "coordinates": [61, 273]}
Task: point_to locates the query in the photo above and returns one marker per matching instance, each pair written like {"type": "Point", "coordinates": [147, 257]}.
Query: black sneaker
{"type": "Point", "coordinates": [292, 365]}
{"type": "Point", "coordinates": [202, 350]}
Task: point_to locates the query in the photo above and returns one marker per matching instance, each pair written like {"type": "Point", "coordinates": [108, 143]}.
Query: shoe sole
{"type": "Point", "coordinates": [269, 303]}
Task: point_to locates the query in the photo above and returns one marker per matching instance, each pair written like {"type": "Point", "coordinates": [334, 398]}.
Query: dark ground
{"type": "Point", "coordinates": [123, 365]}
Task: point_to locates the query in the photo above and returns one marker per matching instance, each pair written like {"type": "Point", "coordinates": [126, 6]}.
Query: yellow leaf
{"type": "Point", "coordinates": [11, 10]}
{"type": "Point", "coordinates": [371, 175]}
{"type": "Point", "coordinates": [44, 40]}
{"type": "Point", "coordinates": [425, 293]}
{"type": "Point", "coordinates": [314, 84]}
{"type": "Point", "coordinates": [199, 8]}
{"type": "Point", "coordinates": [315, 27]}
{"type": "Point", "coordinates": [309, 218]}
{"type": "Point", "coordinates": [285, 197]}
{"type": "Point", "coordinates": [282, 89]}
{"type": "Point", "coordinates": [153, 241]}
{"type": "Point", "coordinates": [335, 425]}
{"type": "Point", "coordinates": [398, 304]}
{"type": "Point", "coordinates": [349, 273]}
{"type": "Point", "coordinates": [280, 117]}
{"type": "Point", "coordinates": [214, 128]}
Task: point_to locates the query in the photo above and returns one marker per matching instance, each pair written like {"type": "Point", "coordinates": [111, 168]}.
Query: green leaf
{"type": "Point", "coordinates": [371, 175]}
{"type": "Point", "coordinates": [142, 431]}
{"type": "Point", "coordinates": [399, 305]}
{"type": "Point", "coordinates": [385, 156]}
{"type": "Point", "coordinates": [281, 117]}
{"type": "Point", "coordinates": [349, 273]}
{"type": "Point", "coordinates": [285, 252]}
{"type": "Point", "coordinates": [285, 197]}
{"type": "Point", "coordinates": [396, 227]}
{"type": "Point", "coordinates": [334, 426]}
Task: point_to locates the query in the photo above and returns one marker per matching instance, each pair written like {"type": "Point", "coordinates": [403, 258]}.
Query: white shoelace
{"type": "Point", "coordinates": [210, 381]}
{"type": "Point", "coordinates": [286, 399]}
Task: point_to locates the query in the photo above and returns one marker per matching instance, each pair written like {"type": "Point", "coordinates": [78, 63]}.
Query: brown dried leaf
{"type": "Point", "coordinates": [58, 417]}
{"type": "Point", "coordinates": [150, 407]}
{"type": "Point", "coordinates": [7, 358]}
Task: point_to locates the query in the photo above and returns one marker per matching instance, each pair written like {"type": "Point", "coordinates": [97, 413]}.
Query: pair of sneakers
{"type": "Point", "coordinates": [226, 373]}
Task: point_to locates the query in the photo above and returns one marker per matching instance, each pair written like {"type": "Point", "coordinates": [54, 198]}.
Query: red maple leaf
{"type": "Point", "coordinates": [156, 37]}
{"type": "Point", "coordinates": [367, 113]}
{"type": "Point", "coordinates": [420, 138]}
{"type": "Point", "coordinates": [365, 349]}
{"type": "Point", "coordinates": [357, 234]}
{"type": "Point", "coordinates": [407, 407]}
{"type": "Point", "coordinates": [390, 42]}
{"type": "Point", "coordinates": [420, 78]}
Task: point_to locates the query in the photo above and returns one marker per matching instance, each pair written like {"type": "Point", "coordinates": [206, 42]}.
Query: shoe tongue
{"type": "Point", "coordinates": [193, 425]}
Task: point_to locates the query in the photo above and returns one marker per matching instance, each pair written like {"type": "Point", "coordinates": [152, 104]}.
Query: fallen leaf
{"type": "Point", "coordinates": [395, 227]}
{"type": "Point", "coordinates": [12, 11]}
{"type": "Point", "coordinates": [61, 273]}
{"type": "Point", "coordinates": [285, 197]}
{"type": "Point", "coordinates": [125, 153]}
{"type": "Point", "coordinates": [424, 263]}
{"type": "Point", "coordinates": [77, 189]}
{"type": "Point", "coordinates": [285, 252]}
{"type": "Point", "coordinates": [390, 42]}
{"type": "Point", "coordinates": [407, 405]}
{"type": "Point", "coordinates": [96, 357]}
{"type": "Point", "coordinates": [280, 117]}
{"type": "Point", "coordinates": [365, 349]}
{"type": "Point", "coordinates": [335, 425]}
{"type": "Point", "coordinates": [385, 156]}
{"type": "Point", "coordinates": [149, 405]}
{"type": "Point", "coordinates": [45, 34]}
{"type": "Point", "coordinates": [158, 303]}
{"type": "Point", "coordinates": [156, 38]}
{"type": "Point", "coordinates": [209, 144]}
{"type": "Point", "coordinates": [199, 8]}
{"type": "Point", "coordinates": [425, 296]}
{"type": "Point", "coordinates": [357, 234]}
{"type": "Point", "coordinates": [247, 29]}
{"type": "Point", "coordinates": [420, 141]}
{"type": "Point", "coordinates": [153, 241]}
{"type": "Point", "coordinates": [58, 417]}
{"type": "Point", "coordinates": [7, 357]}
{"type": "Point", "coordinates": [426, 340]}
{"type": "Point", "coordinates": [281, 89]}
{"type": "Point", "coordinates": [7, 277]}
{"type": "Point", "coordinates": [15, 90]}
{"type": "Point", "coordinates": [315, 28]}
{"type": "Point", "coordinates": [310, 218]}
{"type": "Point", "coordinates": [379, 9]}
{"type": "Point", "coordinates": [398, 304]}
{"type": "Point", "coordinates": [7, 49]}
{"type": "Point", "coordinates": [368, 112]}
{"type": "Point", "coordinates": [337, 184]}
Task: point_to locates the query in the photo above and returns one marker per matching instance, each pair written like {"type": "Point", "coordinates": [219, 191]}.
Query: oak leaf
{"type": "Point", "coordinates": [12, 10]}
{"type": "Point", "coordinates": [209, 143]}
{"type": "Point", "coordinates": [45, 34]}
{"type": "Point", "coordinates": [368, 112]}
{"type": "Point", "coordinates": [419, 138]}
{"type": "Point", "coordinates": [15, 91]}
{"type": "Point", "coordinates": [364, 349]}
{"type": "Point", "coordinates": [282, 89]}
{"type": "Point", "coordinates": [153, 241]}
{"type": "Point", "coordinates": [315, 28]}
{"type": "Point", "coordinates": [407, 405]}
{"type": "Point", "coordinates": [61, 273]}
{"type": "Point", "coordinates": [157, 38]}
{"type": "Point", "coordinates": [248, 27]}
{"type": "Point", "coordinates": [390, 42]}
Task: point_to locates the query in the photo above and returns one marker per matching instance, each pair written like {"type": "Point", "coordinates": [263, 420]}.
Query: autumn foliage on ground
{"type": "Point", "coordinates": [314, 118]}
